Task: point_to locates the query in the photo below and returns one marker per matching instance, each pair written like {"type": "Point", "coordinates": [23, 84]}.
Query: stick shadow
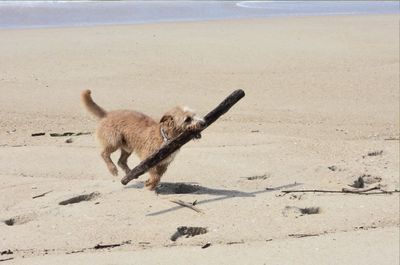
{"type": "Point", "coordinates": [167, 188]}
{"type": "Point", "coordinates": [164, 187]}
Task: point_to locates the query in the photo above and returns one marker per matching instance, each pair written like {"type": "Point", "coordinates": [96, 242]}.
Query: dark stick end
{"type": "Point", "coordinates": [125, 180]}
{"type": "Point", "coordinates": [240, 93]}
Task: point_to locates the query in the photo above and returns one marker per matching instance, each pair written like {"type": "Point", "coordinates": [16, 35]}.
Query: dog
{"type": "Point", "coordinates": [132, 131]}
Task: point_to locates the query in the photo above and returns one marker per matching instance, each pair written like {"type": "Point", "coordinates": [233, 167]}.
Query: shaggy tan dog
{"type": "Point", "coordinates": [133, 131]}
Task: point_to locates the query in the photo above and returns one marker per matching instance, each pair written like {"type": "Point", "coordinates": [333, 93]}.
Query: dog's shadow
{"type": "Point", "coordinates": [167, 188]}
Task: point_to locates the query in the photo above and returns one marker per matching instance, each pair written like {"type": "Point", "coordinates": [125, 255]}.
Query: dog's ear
{"type": "Point", "coordinates": [166, 118]}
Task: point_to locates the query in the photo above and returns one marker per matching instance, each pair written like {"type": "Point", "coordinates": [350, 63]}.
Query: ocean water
{"type": "Point", "coordinates": [31, 14]}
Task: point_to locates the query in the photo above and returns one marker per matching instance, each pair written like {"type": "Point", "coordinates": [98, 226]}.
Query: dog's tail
{"type": "Point", "coordinates": [91, 106]}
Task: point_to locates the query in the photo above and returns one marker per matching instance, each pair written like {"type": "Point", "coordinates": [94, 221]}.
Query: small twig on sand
{"type": "Point", "coordinates": [235, 242]}
{"type": "Point", "coordinates": [303, 235]}
{"type": "Point", "coordinates": [41, 195]}
{"type": "Point", "coordinates": [6, 259]}
{"type": "Point", "coordinates": [69, 134]}
{"type": "Point", "coordinates": [188, 205]}
{"type": "Point", "coordinates": [206, 245]}
{"type": "Point", "coordinates": [6, 252]}
{"type": "Point", "coordinates": [38, 134]}
{"type": "Point", "coordinates": [375, 153]}
{"type": "Point", "coordinates": [99, 246]}
{"type": "Point", "coordinates": [75, 251]}
{"type": "Point", "coordinates": [344, 190]}
{"type": "Point", "coordinates": [378, 187]}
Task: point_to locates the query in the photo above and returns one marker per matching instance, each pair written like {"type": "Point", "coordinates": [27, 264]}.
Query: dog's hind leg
{"type": "Point", "coordinates": [105, 154]}
{"type": "Point", "coordinates": [123, 159]}
{"type": "Point", "coordinates": [155, 176]}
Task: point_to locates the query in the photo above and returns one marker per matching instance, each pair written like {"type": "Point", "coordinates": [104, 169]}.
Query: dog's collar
{"type": "Point", "coordinates": [164, 135]}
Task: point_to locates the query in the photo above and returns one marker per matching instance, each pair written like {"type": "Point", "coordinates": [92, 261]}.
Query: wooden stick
{"type": "Point", "coordinates": [188, 205]}
{"type": "Point", "coordinates": [182, 139]}
{"type": "Point", "coordinates": [41, 195]}
{"type": "Point", "coordinates": [344, 190]}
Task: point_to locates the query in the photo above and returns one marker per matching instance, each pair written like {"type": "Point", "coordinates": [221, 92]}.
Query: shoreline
{"type": "Point", "coordinates": [84, 14]}
{"type": "Point", "coordinates": [182, 22]}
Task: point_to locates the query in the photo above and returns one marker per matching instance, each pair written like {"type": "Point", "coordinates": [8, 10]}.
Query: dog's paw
{"type": "Point", "coordinates": [114, 171]}
{"type": "Point", "coordinates": [151, 185]}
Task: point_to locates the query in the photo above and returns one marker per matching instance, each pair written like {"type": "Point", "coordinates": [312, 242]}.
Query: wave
{"type": "Point", "coordinates": [261, 4]}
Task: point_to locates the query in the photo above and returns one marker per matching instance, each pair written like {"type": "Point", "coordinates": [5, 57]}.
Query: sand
{"type": "Point", "coordinates": [320, 92]}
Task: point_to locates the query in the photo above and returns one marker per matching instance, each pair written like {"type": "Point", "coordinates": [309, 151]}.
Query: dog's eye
{"type": "Point", "coordinates": [188, 119]}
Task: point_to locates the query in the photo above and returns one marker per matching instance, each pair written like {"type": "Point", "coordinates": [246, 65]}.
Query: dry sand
{"type": "Point", "coordinates": [320, 92]}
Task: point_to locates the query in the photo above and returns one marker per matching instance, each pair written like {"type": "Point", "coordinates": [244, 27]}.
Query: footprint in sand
{"type": "Point", "coordinates": [20, 219]}
{"type": "Point", "coordinates": [80, 198]}
{"type": "Point", "coordinates": [293, 211]}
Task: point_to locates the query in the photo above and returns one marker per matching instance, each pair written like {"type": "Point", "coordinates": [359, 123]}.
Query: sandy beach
{"type": "Point", "coordinates": [321, 110]}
